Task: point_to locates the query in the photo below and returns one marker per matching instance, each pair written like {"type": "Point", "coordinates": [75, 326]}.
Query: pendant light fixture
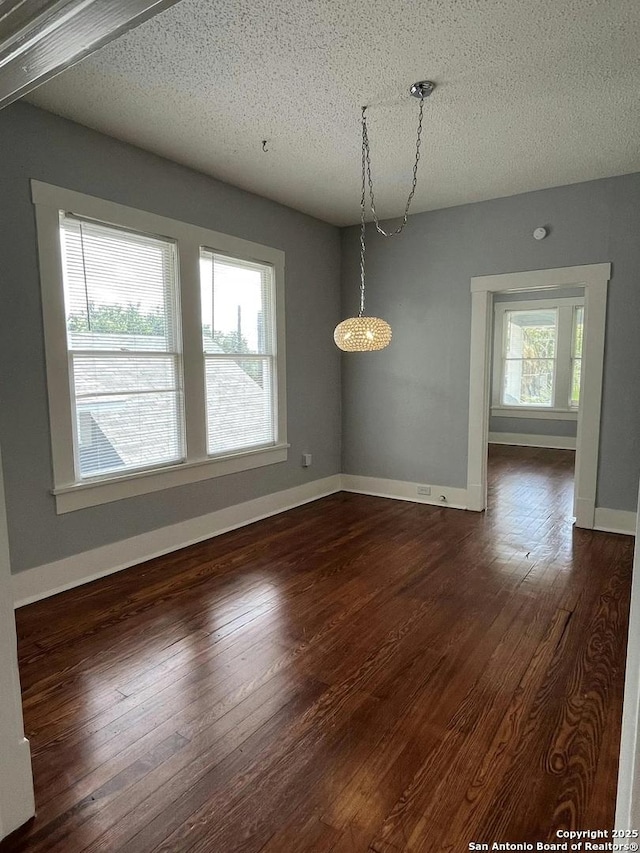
{"type": "Point", "coordinates": [363, 333]}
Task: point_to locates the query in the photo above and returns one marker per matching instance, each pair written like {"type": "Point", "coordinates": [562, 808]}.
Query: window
{"type": "Point", "coordinates": [537, 357]}
{"type": "Point", "coordinates": [529, 359]}
{"type": "Point", "coordinates": [239, 354]}
{"type": "Point", "coordinates": [121, 301]}
{"type": "Point", "coordinates": [165, 349]}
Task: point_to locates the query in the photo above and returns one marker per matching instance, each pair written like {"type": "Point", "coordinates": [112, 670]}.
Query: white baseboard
{"type": "Point", "coordinates": [42, 581]}
{"type": "Point", "coordinates": [615, 521]}
{"type": "Point", "coordinates": [16, 789]}
{"type": "Point", "coordinates": [405, 491]}
{"type": "Point", "coordinates": [522, 440]}
{"type": "Point", "coordinates": [476, 497]}
{"type": "Point", "coordinates": [584, 510]}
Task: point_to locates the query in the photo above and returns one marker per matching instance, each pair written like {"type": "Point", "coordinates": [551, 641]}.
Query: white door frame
{"type": "Point", "coordinates": [16, 782]}
{"type": "Point", "coordinates": [594, 278]}
{"type": "Point", "coordinates": [628, 800]}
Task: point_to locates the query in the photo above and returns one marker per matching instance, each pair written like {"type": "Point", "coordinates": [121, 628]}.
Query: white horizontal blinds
{"type": "Point", "coordinates": [121, 302]}
{"type": "Point", "coordinates": [530, 357]}
{"type": "Point", "coordinates": [238, 337]}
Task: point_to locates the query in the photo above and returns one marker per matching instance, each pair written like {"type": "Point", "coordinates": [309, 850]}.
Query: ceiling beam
{"type": "Point", "coordinates": [40, 38]}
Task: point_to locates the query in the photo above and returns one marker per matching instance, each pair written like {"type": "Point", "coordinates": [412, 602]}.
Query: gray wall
{"type": "Point", "coordinates": [561, 428]}
{"type": "Point", "coordinates": [36, 144]}
{"type": "Point", "coordinates": [406, 407]}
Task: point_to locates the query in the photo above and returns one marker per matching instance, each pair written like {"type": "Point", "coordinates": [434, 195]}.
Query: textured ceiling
{"type": "Point", "coordinates": [531, 94]}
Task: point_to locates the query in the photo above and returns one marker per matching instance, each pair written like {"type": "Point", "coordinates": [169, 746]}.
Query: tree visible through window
{"type": "Point", "coordinates": [237, 299]}
{"type": "Point", "coordinates": [539, 354]}
{"type": "Point", "coordinates": [576, 355]}
{"type": "Point", "coordinates": [131, 319]}
{"type": "Point", "coordinates": [530, 358]}
{"type": "Point", "coordinates": [123, 339]}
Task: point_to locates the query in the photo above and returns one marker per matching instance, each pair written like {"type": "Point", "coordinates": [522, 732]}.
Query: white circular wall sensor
{"type": "Point", "coordinates": [540, 233]}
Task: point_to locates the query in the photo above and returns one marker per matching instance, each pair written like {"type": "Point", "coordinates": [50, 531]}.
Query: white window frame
{"type": "Point", "coordinates": [562, 378]}
{"type": "Point", "coordinates": [259, 356]}
{"type": "Point", "coordinates": [72, 495]}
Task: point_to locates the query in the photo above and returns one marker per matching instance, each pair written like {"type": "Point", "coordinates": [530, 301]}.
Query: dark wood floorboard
{"type": "Point", "coordinates": [357, 674]}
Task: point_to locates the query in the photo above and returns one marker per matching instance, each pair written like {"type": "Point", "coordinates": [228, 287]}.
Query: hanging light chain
{"type": "Point", "coordinates": [366, 159]}
{"type": "Point", "coordinates": [367, 180]}
{"type": "Point", "coordinates": [362, 213]}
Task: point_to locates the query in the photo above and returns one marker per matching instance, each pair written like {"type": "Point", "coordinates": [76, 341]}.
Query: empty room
{"type": "Point", "coordinates": [319, 426]}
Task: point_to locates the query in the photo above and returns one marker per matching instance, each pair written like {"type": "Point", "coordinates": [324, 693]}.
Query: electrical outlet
{"type": "Point", "coordinates": [306, 460]}
{"type": "Point", "coordinates": [424, 490]}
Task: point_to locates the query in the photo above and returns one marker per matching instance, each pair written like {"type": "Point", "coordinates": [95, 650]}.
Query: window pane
{"type": "Point", "coordinates": [121, 304]}
{"type": "Point", "coordinates": [236, 305]}
{"type": "Point", "coordinates": [531, 334]}
{"type": "Point", "coordinates": [576, 370]}
{"type": "Point", "coordinates": [120, 288]}
{"type": "Point", "coordinates": [238, 319]}
{"type": "Point", "coordinates": [121, 432]}
{"type": "Point", "coordinates": [239, 403]}
{"type": "Point", "coordinates": [102, 374]}
{"type": "Point", "coordinates": [128, 412]}
{"type": "Point", "coordinates": [528, 382]}
{"type": "Point", "coordinates": [578, 328]}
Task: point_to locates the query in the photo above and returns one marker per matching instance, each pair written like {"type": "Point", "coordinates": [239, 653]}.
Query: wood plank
{"type": "Point", "coordinates": [355, 675]}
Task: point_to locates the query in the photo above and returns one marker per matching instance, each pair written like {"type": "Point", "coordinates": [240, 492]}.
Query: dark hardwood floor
{"type": "Point", "coordinates": [356, 674]}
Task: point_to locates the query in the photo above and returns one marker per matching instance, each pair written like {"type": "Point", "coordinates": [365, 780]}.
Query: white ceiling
{"type": "Point", "coordinates": [531, 94]}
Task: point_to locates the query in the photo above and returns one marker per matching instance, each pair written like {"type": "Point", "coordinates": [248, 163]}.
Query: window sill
{"type": "Point", "coordinates": [542, 414]}
{"type": "Point", "coordinates": [83, 495]}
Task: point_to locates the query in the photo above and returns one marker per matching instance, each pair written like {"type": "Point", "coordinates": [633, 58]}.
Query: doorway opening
{"type": "Point", "coordinates": [535, 376]}
{"type": "Point", "coordinates": [593, 279]}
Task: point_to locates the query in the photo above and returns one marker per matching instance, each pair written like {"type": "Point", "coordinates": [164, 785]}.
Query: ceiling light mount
{"type": "Point", "coordinates": [422, 89]}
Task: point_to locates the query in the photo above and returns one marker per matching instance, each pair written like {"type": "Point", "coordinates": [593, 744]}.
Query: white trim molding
{"type": "Point", "coordinates": [534, 414]}
{"type": "Point", "coordinates": [42, 581]}
{"type": "Point", "coordinates": [42, 39]}
{"type": "Point", "coordinates": [17, 803]}
{"type": "Point", "coordinates": [615, 521]}
{"type": "Point", "coordinates": [16, 781]}
{"type": "Point", "coordinates": [402, 490]}
{"type": "Point", "coordinates": [594, 278]}
{"type": "Point", "coordinates": [558, 442]}
{"type": "Point", "coordinates": [95, 492]}
{"type": "Point", "coordinates": [73, 492]}
{"type": "Point", "coordinates": [628, 800]}
{"type": "Point", "coordinates": [585, 275]}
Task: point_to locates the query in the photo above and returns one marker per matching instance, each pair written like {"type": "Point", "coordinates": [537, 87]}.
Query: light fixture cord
{"type": "Point", "coordinates": [367, 155]}
{"type": "Point", "coordinates": [362, 211]}
{"type": "Point", "coordinates": [367, 179]}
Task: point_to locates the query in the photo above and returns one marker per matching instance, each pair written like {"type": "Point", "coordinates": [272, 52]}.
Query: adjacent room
{"type": "Point", "coordinates": [320, 426]}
